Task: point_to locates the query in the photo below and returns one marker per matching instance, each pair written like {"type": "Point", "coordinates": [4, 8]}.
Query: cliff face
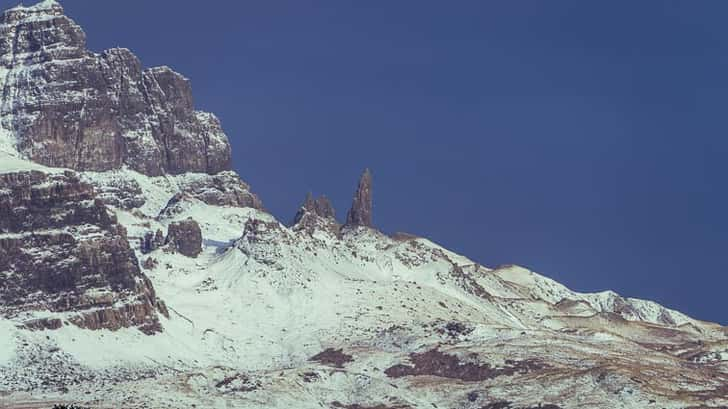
{"type": "Point", "coordinates": [65, 259]}
{"type": "Point", "coordinates": [69, 107]}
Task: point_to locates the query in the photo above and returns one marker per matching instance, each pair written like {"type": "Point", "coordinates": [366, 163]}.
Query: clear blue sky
{"type": "Point", "coordinates": [584, 140]}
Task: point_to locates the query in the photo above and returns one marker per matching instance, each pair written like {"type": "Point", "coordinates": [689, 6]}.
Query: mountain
{"type": "Point", "coordinates": [138, 270]}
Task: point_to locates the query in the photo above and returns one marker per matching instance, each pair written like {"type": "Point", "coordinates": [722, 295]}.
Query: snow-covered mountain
{"type": "Point", "coordinates": [136, 272]}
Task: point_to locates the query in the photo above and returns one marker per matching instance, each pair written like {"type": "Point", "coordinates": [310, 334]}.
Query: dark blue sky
{"type": "Point", "coordinates": [584, 140]}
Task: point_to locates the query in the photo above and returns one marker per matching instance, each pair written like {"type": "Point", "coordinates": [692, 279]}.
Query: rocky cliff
{"type": "Point", "coordinates": [72, 108]}
{"type": "Point", "coordinates": [64, 258]}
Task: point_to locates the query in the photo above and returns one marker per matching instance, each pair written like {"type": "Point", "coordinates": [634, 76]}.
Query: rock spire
{"type": "Point", "coordinates": [320, 206]}
{"type": "Point", "coordinates": [360, 213]}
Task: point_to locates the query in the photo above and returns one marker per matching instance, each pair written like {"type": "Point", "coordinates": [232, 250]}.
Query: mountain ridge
{"type": "Point", "coordinates": [165, 283]}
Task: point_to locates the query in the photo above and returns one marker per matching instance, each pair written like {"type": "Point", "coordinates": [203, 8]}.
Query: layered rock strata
{"type": "Point", "coordinates": [69, 107]}
{"type": "Point", "coordinates": [64, 259]}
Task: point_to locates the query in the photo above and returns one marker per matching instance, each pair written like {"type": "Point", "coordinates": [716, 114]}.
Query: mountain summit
{"type": "Point", "coordinates": [137, 270]}
{"type": "Point", "coordinates": [69, 107]}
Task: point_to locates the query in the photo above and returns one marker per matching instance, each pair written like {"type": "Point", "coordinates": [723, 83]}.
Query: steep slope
{"type": "Point", "coordinates": [151, 278]}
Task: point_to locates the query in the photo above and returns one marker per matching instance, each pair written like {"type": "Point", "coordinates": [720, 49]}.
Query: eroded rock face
{"type": "Point", "coordinates": [360, 213]}
{"type": "Point", "coordinates": [151, 241]}
{"type": "Point", "coordinates": [321, 207]}
{"type": "Point", "coordinates": [63, 252]}
{"type": "Point", "coordinates": [185, 237]}
{"type": "Point", "coordinates": [222, 189]}
{"type": "Point", "coordinates": [315, 214]}
{"type": "Point", "coordinates": [69, 107]}
{"type": "Point", "coordinates": [121, 193]}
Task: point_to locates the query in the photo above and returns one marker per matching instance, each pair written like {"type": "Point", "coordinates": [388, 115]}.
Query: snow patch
{"type": "Point", "coordinates": [7, 341]}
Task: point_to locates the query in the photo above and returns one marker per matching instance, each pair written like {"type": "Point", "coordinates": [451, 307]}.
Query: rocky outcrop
{"type": "Point", "coordinates": [321, 207]}
{"type": "Point", "coordinates": [360, 213]}
{"type": "Point", "coordinates": [222, 189]}
{"type": "Point", "coordinates": [437, 363]}
{"type": "Point", "coordinates": [69, 107]}
{"type": "Point", "coordinates": [63, 253]}
{"type": "Point", "coordinates": [151, 241]}
{"type": "Point", "coordinates": [315, 214]}
{"type": "Point", "coordinates": [121, 193]}
{"type": "Point", "coordinates": [332, 357]}
{"type": "Point", "coordinates": [185, 237]}
{"type": "Point", "coordinates": [403, 236]}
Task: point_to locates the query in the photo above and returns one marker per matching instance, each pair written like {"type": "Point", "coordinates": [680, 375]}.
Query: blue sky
{"type": "Point", "coordinates": [584, 140]}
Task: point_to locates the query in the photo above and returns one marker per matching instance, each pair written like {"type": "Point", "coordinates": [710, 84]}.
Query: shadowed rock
{"type": "Point", "coordinates": [151, 241]}
{"type": "Point", "coordinates": [360, 213]}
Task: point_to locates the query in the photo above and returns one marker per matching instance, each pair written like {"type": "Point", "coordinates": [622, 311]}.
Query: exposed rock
{"type": "Point", "coordinates": [152, 241]}
{"type": "Point", "coordinates": [237, 383]}
{"type": "Point", "coordinates": [402, 236]}
{"type": "Point", "coordinates": [174, 206]}
{"type": "Point", "coordinates": [69, 107]}
{"type": "Point", "coordinates": [360, 213]}
{"type": "Point", "coordinates": [266, 241]}
{"type": "Point", "coordinates": [62, 251]}
{"type": "Point", "coordinates": [454, 329]}
{"type": "Point", "coordinates": [150, 263]}
{"type": "Point", "coordinates": [321, 207]}
{"type": "Point", "coordinates": [332, 357]}
{"type": "Point", "coordinates": [337, 404]}
{"type": "Point", "coordinates": [121, 193]}
{"type": "Point", "coordinates": [437, 363]}
{"type": "Point", "coordinates": [41, 324]}
{"type": "Point", "coordinates": [310, 377]}
{"type": "Point", "coordinates": [222, 189]}
{"type": "Point", "coordinates": [509, 405]}
{"type": "Point", "coordinates": [185, 237]}
{"type": "Point", "coordinates": [315, 214]}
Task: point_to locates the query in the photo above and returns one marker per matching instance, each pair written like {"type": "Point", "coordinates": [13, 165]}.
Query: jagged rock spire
{"type": "Point", "coordinates": [360, 213]}
{"type": "Point", "coordinates": [320, 206]}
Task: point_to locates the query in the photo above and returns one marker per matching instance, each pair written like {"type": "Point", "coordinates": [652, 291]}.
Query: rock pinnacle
{"type": "Point", "coordinates": [360, 213]}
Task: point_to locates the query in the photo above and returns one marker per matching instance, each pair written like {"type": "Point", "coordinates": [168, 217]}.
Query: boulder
{"type": "Point", "coordinates": [185, 237]}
